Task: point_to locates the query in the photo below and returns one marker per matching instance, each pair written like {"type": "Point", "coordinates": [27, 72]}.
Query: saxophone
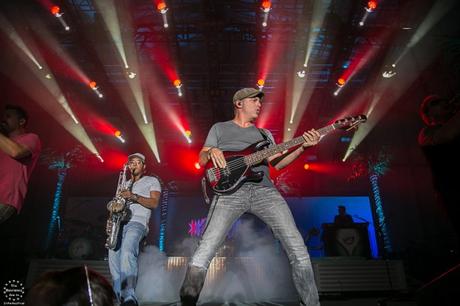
{"type": "Point", "coordinates": [118, 211]}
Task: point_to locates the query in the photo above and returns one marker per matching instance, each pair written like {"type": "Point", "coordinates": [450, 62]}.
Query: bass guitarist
{"type": "Point", "coordinates": [259, 198]}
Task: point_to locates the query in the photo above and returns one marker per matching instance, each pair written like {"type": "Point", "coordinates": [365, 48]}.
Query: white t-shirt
{"type": "Point", "coordinates": [142, 187]}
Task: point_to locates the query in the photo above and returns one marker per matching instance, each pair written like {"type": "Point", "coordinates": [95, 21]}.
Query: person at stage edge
{"type": "Point", "coordinates": [71, 287]}
{"type": "Point", "coordinates": [343, 219]}
{"type": "Point", "coordinates": [261, 199]}
{"type": "Point", "coordinates": [144, 196]}
{"type": "Point", "coordinates": [440, 143]}
{"type": "Point", "coordinates": [19, 152]}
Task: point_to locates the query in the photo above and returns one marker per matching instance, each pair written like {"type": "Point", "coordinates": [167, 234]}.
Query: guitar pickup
{"type": "Point", "coordinates": [211, 175]}
{"type": "Point", "coordinates": [226, 171]}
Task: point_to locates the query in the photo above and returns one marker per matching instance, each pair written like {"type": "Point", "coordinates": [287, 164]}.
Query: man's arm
{"type": "Point", "coordinates": [13, 148]}
{"type": "Point", "coordinates": [279, 161]}
{"type": "Point", "coordinates": [151, 202]}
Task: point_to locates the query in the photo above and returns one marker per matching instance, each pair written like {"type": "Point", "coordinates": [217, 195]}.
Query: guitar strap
{"type": "Point", "coordinates": [265, 135]}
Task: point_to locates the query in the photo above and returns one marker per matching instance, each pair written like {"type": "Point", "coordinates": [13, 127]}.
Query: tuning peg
{"type": "Point", "coordinates": [353, 126]}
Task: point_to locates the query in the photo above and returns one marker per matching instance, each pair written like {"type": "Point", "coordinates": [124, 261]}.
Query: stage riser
{"type": "Point", "coordinates": [369, 275]}
{"type": "Point", "coordinates": [333, 276]}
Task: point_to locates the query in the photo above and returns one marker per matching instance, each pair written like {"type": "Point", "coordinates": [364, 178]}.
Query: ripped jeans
{"type": "Point", "coordinates": [267, 204]}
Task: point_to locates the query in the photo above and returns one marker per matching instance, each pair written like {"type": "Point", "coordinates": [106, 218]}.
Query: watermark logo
{"type": "Point", "coordinates": [13, 292]}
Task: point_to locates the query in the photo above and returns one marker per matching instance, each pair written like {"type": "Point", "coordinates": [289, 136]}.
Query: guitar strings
{"type": "Point", "coordinates": [231, 165]}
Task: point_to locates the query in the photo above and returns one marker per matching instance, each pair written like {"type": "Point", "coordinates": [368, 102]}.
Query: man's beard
{"type": "Point", "coordinates": [136, 172]}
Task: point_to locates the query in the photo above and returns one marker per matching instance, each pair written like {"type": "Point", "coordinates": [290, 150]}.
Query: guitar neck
{"type": "Point", "coordinates": [257, 157]}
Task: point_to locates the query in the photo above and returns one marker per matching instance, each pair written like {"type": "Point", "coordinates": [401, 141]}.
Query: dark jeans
{"type": "Point", "coordinates": [267, 204]}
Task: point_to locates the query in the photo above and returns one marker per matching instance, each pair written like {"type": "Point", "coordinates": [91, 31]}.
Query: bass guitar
{"type": "Point", "coordinates": [239, 163]}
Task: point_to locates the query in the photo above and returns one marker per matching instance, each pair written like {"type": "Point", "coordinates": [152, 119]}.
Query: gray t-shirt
{"type": "Point", "coordinates": [143, 187]}
{"type": "Point", "coordinates": [229, 136]}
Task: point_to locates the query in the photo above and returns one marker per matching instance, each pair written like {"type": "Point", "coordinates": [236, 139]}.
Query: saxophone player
{"type": "Point", "coordinates": [142, 195]}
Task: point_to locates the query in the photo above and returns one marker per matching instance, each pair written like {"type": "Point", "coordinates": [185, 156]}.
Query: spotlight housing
{"type": "Point", "coordinates": [301, 73]}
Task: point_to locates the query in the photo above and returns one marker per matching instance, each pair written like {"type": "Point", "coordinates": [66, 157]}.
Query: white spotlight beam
{"type": "Point", "coordinates": [107, 9]}
{"type": "Point", "coordinates": [319, 12]}
{"type": "Point", "coordinates": [144, 124]}
{"type": "Point", "coordinates": [140, 111]}
{"type": "Point", "coordinates": [439, 9]}
{"type": "Point", "coordinates": [42, 31]}
{"type": "Point", "coordinates": [388, 91]}
{"type": "Point", "coordinates": [49, 96]}
{"type": "Point", "coordinates": [300, 93]}
{"type": "Point", "coordinates": [9, 30]}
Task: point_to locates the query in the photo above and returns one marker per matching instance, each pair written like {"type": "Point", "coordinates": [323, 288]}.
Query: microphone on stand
{"type": "Point", "coordinates": [360, 218]}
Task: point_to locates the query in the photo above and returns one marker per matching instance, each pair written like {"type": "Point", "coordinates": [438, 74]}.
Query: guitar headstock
{"type": "Point", "coordinates": [350, 122]}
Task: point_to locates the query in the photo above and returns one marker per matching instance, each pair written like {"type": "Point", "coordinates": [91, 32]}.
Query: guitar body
{"type": "Point", "coordinates": [236, 173]}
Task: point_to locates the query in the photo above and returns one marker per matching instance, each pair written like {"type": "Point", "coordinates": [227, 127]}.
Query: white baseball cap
{"type": "Point", "coordinates": [138, 155]}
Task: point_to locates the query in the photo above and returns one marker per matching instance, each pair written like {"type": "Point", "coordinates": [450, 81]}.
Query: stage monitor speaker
{"type": "Point", "coordinates": [351, 240]}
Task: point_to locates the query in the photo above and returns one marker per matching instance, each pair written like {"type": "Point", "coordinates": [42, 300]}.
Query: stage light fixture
{"type": "Point", "coordinates": [99, 157]}
{"type": "Point", "coordinates": [340, 82]}
{"type": "Point", "coordinates": [119, 136]}
{"type": "Point", "coordinates": [162, 8]}
{"type": "Point", "coordinates": [371, 6]}
{"type": "Point", "coordinates": [260, 83]}
{"type": "Point", "coordinates": [56, 11]}
{"type": "Point", "coordinates": [187, 134]}
{"type": "Point", "coordinates": [301, 74]}
{"type": "Point", "coordinates": [131, 75]}
{"type": "Point", "coordinates": [197, 166]}
{"type": "Point", "coordinates": [95, 88]}
{"type": "Point", "coordinates": [178, 84]}
{"type": "Point", "coordinates": [388, 74]}
{"type": "Point", "coordinates": [337, 91]}
{"type": "Point", "coordinates": [266, 8]}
